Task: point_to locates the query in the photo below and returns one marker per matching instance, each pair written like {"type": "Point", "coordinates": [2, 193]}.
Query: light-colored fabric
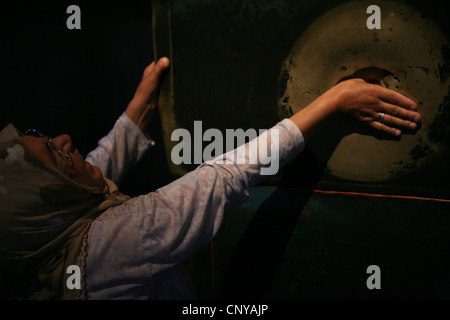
{"type": "Point", "coordinates": [44, 216]}
{"type": "Point", "coordinates": [134, 249]}
{"type": "Point", "coordinates": [120, 150]}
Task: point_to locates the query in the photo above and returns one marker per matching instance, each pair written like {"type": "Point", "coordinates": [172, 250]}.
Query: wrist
{"type": "Point", "coordinates": [332, 104]}
{"type": "Point", "coordinates": [140, 115]}
{"type": "Point", "coordinates": [317, 115]}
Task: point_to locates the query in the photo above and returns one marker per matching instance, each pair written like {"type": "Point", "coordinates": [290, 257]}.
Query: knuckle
{"type": "Point", "coordinates": [373, 95]}
{"type": "Point", "coordinates": [391, 97]}
{"type": "Point", "coordinates": [374, 114]}
{"type": "Point", "coordinates": [371, 91]}
{"type": "Point", "coordinates": [395, 110]}
{"type": "Point", "coordinates": [376, 125]}
{"type": "Point", "coordinates": [380, 127]}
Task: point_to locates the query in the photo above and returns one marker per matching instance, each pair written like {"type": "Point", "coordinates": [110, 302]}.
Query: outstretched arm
{"type": "Point", "coordinates": [186, 214]}
{"type": "Point", "coordinates": [362, 101]}
{"type": "Point", "coordinates": [126, 143]}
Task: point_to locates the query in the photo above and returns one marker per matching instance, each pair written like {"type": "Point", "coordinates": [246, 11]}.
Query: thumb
{"type": "Point", "coordinates": [158, 70]}
{"type": "Point", "coordinates": [153, 76]}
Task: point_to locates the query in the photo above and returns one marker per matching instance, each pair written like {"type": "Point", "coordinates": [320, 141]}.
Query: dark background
{"type": "Point", "coordinates": [78, 82]}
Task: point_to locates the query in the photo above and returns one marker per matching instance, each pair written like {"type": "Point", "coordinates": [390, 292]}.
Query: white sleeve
{"type": "Point", "coordinates": [130, 244]}
{"type": "Point", "coordinates": [120, 150]}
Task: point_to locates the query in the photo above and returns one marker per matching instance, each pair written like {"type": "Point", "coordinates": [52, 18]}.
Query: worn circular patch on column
{"type": "Point", "coordinates": [415, 53]}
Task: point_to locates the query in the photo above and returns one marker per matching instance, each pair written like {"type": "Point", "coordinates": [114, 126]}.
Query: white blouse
{"type": "Point", "coordinates": [134, 249]}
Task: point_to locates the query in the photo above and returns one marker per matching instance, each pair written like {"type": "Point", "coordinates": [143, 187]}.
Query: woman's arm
{"type": "Point", "coordinates": [145, 101]}
{"type": "Point", "coordinates": [362, 101]}
{"type": "Point", "coordinates": [170, 224]}
{"type": "Point", "coordinates": [120, 150]}
{"type": "Point", "coordinates": [352, 98]}
{"type": "Point", "coordinates": [126, 143]}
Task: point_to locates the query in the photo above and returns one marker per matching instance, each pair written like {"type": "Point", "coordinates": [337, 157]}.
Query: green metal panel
{"type": "Point", "coordinates": [227, 60]}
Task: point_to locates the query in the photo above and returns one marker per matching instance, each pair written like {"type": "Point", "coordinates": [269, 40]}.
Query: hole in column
{"type": "Point", "coordinates": [372, 75]}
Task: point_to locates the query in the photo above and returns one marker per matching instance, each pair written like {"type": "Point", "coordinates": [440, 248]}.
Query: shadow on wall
{"type": "Point", "coordinates": [259, 252]}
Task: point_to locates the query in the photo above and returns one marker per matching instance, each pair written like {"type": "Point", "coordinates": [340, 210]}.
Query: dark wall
{"type": "Point", "coordinates": [78, 81]}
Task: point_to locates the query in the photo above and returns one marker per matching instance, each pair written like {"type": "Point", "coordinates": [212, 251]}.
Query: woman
{"type": "Point", "coordinates": [58, 210]}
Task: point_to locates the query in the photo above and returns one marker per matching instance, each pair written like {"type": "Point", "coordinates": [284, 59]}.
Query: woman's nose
{"type": "Point", "coordinates": [63, 142]}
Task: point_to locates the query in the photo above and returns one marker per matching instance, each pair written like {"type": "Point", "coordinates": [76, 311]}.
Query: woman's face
{"type": "Point", "coordinates": [79, 170]}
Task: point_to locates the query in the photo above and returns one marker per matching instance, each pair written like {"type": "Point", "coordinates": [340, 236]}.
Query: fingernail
{"type": "Point", "coordinates": [397, 132]}
{"type": "Point", "coordinates": [164, 62]}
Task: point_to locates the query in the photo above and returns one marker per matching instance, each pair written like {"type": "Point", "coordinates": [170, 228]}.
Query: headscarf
{"type": "Point", "coordinates": [44, 218]}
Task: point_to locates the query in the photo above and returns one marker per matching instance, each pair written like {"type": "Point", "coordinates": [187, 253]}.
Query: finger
{"type": "Point", "coordinates": [395, 98]}
{"type": "Point", "coordinates": [148, 69]}
{"type": "Point", "coordinates": [150, 83]}
{"type": "Point", "coordinates": [399, 112]}
{"type": "Point", "coordinates": [158, 70]}
{"type": "Point", "coordinates": [392, 121]}
{"type": "Point", "coordinates": [384, 128]}
{"type": "Point", "coordinates": [413, 108]}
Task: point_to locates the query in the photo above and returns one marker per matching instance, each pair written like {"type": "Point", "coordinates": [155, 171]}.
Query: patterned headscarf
{"type": "Point", "coordinates": [44, 217]}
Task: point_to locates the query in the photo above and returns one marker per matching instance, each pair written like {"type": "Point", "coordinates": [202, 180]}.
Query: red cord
{"type": "Point", "coordinates": [371, 195]}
